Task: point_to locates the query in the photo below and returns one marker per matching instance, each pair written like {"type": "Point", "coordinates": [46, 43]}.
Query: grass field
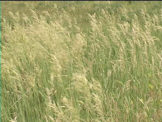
{"type": "Point", "coordinates": [81, 61]}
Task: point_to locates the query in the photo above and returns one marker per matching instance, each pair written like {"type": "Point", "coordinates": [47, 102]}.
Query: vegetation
{"type": "Point", "coordinates": [81, 61]}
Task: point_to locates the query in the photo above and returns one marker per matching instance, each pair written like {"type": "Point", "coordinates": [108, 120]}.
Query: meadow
{"type": "Point", "coordinates": [81, 61]}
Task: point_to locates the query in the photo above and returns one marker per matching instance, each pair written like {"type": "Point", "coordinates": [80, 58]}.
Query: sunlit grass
{"type": "Point", "coordinates": [96, 65]}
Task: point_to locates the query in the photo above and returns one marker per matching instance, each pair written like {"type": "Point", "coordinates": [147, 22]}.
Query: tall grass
{"type": "Point", "coordinates": [56, 69]}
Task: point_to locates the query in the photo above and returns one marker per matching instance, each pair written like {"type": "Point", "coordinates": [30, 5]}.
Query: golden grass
{"type": "Point", "coordinates": [57, 69]}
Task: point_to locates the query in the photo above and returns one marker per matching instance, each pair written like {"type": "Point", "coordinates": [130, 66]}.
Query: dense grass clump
{"type": "Point", "coordinates": [81, 62]}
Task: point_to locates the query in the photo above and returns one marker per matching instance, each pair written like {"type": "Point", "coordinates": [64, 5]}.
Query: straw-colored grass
{"type": "Point", "coordinates": [81, 62]}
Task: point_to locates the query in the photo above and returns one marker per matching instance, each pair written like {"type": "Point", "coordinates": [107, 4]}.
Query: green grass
{"type": "Point", "coordinates": [81, 62]}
